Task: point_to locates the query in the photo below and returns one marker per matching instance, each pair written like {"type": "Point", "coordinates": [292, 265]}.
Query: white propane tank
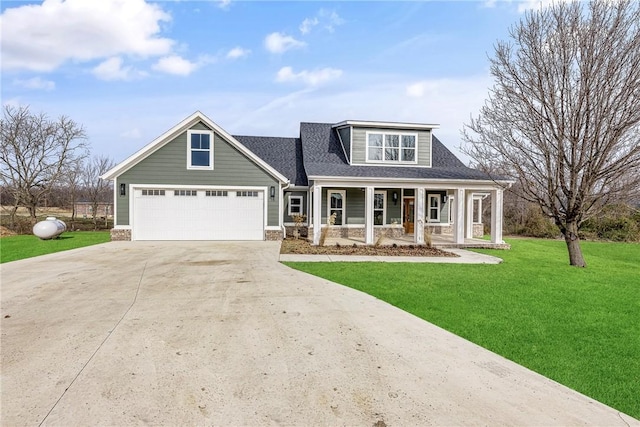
{"type": "Point", "coordinates": [49, 228]}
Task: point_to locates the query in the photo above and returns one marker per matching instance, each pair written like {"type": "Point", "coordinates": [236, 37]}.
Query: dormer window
{"type": "Point", "coordinates": [387, 147]}
{"type": "Point", "coordinates": [199, 149]}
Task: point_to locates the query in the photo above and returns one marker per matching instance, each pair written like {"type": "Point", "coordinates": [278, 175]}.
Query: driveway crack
{"type": "Point", "coordinates": [109, 333]}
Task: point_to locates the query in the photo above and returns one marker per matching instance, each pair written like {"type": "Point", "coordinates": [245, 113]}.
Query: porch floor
{"type": "Point", "coordinates": [440, 241]}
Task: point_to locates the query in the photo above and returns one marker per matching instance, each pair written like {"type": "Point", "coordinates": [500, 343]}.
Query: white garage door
{"type": "Point", "coordinates": [188, 214]}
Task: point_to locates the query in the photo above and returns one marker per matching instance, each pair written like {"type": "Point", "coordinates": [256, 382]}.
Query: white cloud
{"type": "Point", "coordinates": [327, 19]}
{"type": "Point", "coordinates": [113, 69]}
{"type": "Point", "coordinates": [527, 5]}
{"type": "Point", "coordinates": [224, 4]}
{"type": "Point", "coordinates": [36, 83]}
{"type": "Point", "coordinates": [419, 89]}
{"type": "Point", "coordinates": [311, 78]}
{"type": "Point", "coordinates": [237, 53]}
{"type": "Point", "coordinates": [41, 37]}
{"type": "Point", "coordinates": [174, 64]}
{"type": "Point", "coordinates": [330, 19]}
{"type": "Point", "coordinates": [308, 24]}
{"type": "Point", "coordinates": [280, 43]}
{"type": "Point", "coordinates": [131, 134]}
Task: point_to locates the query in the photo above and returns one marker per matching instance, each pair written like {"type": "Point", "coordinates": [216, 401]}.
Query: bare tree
{"type": "Point", "coordinates": [563, 116]}
{"type": "Point", "coordinates": [34, 152]}
{"type": "Point", "coordinates": [96, 189]}
{"type": "Point", "coordinates": [72, 181]}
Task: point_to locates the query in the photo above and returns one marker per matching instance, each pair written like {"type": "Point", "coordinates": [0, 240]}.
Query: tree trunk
{"type": "Point", "coordinates": [573, 245]}
{"type": "Point", "coordinates": [33, 214]}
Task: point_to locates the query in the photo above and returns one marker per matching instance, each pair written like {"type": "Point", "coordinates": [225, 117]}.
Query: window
{"type": "Point", "coordinates": [433, 211]}
{"type": "Point", "coordinates": [246, 194]}
{"type": "Point", "coordinates": [200, 149]}
{"type": "Point", "coordinates": [295, 205]}
{"type": "Point", "coordinates": [215, 193]}
{"type": "Point", "coordinates": [336, 205]}
{"type": "Point", "coordinates": [379, 207]}
{"type": "Point", "coordinates": [185, 193]}
{"type": "Point", "coordinates": [451, 212]}
{"type": "Point", "coordinates": [477, 210]}
{"type": "Point", "coordinates": [153, 192]}
{"type": "Point", "coordinates": [391, 147]}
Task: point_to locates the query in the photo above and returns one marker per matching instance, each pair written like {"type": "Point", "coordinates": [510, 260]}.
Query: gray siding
{"type": "Point", "coordinates": [355, 206]}
{"type": "Point", "coordinates": [168, 165]}
{"type": "Point", "coordinates": [345, 136]}
{"type": "Point", "coordinates": [285, 210]}
{"type": "Point", "coordinates": [359, 145]}
{"type": "Point", "coordinates": [394, 211]}
{"type": "Point", "coordinates": [444, 207]}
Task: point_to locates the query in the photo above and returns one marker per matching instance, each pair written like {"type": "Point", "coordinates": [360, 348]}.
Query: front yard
{"type": "Point", "coordinates": [13, 248]}
{"type": "Point", "coordinates": [579, 327]}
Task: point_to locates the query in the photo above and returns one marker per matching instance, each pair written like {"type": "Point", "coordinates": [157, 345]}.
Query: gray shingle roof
{"type": "Point", "coordinates": [282, 154]}
{"type": "Point", "coordinates": [318, 152]}
{"type": "Point", "coordinates": [324, 156]}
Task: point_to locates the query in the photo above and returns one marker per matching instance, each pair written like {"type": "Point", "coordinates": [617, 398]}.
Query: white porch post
{"type": "Point", "coordinates": [317, 217]}
{"type": "Point", "coordinates": [368, 216]}
{"type": "Point", "coordinates": [496, 216]}
{"type": "Point", "coordinates": [418, 231]}
{"type": "Point", "coordinates": [469, 216]}
{"type": "Point", "coordinates": [458, 226]}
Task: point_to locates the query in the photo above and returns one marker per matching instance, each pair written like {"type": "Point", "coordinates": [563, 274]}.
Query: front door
{"type": "Point", "coordinates": [407, 220]}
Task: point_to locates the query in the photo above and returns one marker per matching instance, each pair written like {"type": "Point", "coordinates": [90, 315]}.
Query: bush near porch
{"type": "Point", "coordinates": [576, 326]}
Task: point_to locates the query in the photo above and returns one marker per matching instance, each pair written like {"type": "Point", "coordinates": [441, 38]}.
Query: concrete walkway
{"type": "Point", "coordinates": [464, 257]}
{"type": "Point", "coordinates": [205, 333]}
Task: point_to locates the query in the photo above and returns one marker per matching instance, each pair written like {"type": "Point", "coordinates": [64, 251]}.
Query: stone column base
{"type": "Point", "coordinates": [273, 235]}
{"type": "Point", "coordinates": [120, 234]}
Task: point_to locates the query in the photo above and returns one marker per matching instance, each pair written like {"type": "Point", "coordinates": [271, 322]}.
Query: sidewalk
{"type": "Point", "coordinates": [464, 257]}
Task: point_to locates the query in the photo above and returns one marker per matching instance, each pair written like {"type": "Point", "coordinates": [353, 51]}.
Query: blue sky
{"type": "Point", "coordinates": [129, 70]}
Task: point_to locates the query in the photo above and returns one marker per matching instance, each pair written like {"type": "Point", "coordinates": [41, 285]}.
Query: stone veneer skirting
{"type": "Point", "coordinates": [124, 234]}
{"type": "Point", "coordinates": [120, 234]}
{"type": "Point", "coordinates": [273, 235]}
{"type": "Point", "coordinates": [358, 232]}
{"type": "Point", "coordinates": [392, 231]}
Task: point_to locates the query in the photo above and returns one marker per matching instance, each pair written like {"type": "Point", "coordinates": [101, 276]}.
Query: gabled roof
{"type": "Point", "coordinates": [181, 127]}
{"type": "Point", "coordinates": [324, 157]}
{"type": "Point", "coordinates": [284, 154]}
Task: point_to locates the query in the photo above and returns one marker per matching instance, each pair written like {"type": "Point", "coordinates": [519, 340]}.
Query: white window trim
{"type": "Point", "coordinates": [450, 200]}
{"type": "Point", "coordinates": [384, 207]}
{"type": "Point", "coordinates": [429, 208]}
{"type": "Point", "coordinates": [300, 198]}
{"type": "Point", "coordinates": [211, 143]}
{"type": "Point", "coordinates": [479, 219]}
{"type": "Point", "coordinates": [391, 162]}
{"type": "Point", "coordinates": [344, 204]}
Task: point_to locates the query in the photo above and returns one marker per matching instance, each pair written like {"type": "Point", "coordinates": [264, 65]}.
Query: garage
{"type": "Point", "coordinates": [198, 214]}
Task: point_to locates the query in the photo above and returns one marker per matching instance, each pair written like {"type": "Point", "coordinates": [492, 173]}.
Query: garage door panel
{"type": "Point", "coordinates": [200, 217]}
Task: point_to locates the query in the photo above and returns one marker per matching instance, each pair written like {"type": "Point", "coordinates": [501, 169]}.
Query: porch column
{"type": "Point", "coordinates": [317, 216]}
{"type": "Point", "coordinates": [469, 217]}
{"type": "Point", "coordinates": [458, 225]}
{"type": "Point", "coordinates": [418, 231]}
{"type": "Point", "coordinates": [369, 235]}
{"type": "Point", "coordinates": [496, 216]}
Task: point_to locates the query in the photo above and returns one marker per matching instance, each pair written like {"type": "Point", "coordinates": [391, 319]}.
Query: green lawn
{"type": "Point", "coordinates": [580, 327]}
{"type": "Point", "coordinates": [13, 248]}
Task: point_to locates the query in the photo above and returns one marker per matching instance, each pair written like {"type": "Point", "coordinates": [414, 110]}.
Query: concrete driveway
{"type": "Point", "coordinates": [202, 333]}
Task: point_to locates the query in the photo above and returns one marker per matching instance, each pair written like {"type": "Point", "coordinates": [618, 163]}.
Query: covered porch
{"type": "Point", "coordinates": [448, 213]}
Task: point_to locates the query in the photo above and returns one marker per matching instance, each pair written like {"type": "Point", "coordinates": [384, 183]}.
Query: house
{"type": "Point", "coordinates": [198, 182]}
